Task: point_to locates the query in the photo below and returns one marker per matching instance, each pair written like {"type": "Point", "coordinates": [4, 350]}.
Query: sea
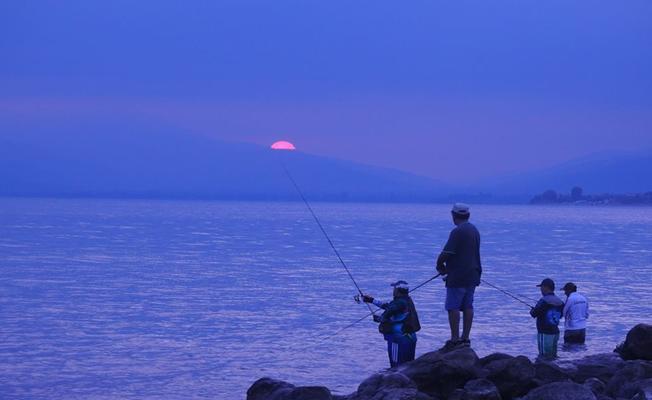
{"type": "Point", "coordinates": [153, 299]}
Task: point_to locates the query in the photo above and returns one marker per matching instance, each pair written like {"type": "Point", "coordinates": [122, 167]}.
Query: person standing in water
{"type": "Point", "coordinates": [576, 312]}
{"type": "Point", "coordinates": [548, 312]}
{"type": "Point", "coordinates": [460, 262]}
{"type": "Point", "coordinates": [399, 324]}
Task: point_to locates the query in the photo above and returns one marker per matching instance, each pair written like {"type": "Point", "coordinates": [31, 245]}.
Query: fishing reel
{"type": "Point", "coordinates": [357, 299]}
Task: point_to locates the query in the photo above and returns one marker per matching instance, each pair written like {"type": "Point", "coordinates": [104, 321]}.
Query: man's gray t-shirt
{"type": "Point", "coordinates": [463, 265]}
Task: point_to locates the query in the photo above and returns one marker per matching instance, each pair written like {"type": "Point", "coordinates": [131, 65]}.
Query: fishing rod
{"type": "Point", "coordinates": [510, 294]}
{"type": "Point", "coordinates": [507, 293]}
{"type": "Point", "coordinates": [330, 242]}
{"type": "Point", "coordinates": [368, 315]}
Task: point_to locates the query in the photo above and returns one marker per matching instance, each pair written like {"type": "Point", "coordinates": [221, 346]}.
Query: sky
{"type": "Point", "coordinates": [447, 89]}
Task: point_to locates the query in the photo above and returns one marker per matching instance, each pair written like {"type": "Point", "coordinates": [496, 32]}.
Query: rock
{"type": "Point", "coordinates": [396, 394]}
{"type": "Point", "coordinates": [561, 391]}
{"type": "Point", "coordinates": [389, 385]}
{"type": "Point", "coordinates": [386, 380]}
{"type": "Point", "coordinates": [441, 373]}
{"type": "Point", "coordinates": [548, 372]}
{"type": "Point", "coordinates": [638, 344]}
{"type": "Point", "coordinates": [271, 389]}
{"type": "Point", "coordinates": [457, 394]}
{"type": "Point", "coordinates": [480, 389]}
{"type": "Point", "coordinates": [268, 389]}
{"type": "Point", "coordinates": [596, 386]}
{"type": "Point", "coordinates": [644, 390]}
{"type": "Point", "coordinates": [513, 377]}
{"type": "Point", "coordinates": [494, 357]}
{"type": "Point", "coordinates": [601, 366]}
{"type": "Point", "coordinates": [626, 382]}
{"type": "Point", "coordinates": [309, 393]}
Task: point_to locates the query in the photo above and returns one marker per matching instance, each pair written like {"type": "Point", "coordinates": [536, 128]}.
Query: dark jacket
{"type": "Point", "coordinates": [400, 316]}
{"type": "Point", "coordinates": [463, 248]}
{"type": "Point", "coordinates": [548, 312]}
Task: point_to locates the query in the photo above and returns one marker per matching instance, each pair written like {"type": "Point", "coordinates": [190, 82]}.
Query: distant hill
{"type": "Point", "coordinates": [600, 173]}
{"type": "Point", "coordinates": [88, 158]}
{"type": "Point", "coordinates": [114, 161]}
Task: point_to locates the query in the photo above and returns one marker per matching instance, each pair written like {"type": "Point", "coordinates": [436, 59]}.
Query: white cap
{"type": "Point", "coordinates": [460, 208]}
{"type": "Point", "coordinates": [400, 285]}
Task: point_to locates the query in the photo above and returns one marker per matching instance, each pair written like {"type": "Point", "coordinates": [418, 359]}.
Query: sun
{"type": "Point", "coordinates": [283, 145]}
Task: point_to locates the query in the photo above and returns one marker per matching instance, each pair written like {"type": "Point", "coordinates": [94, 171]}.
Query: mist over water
{"type": "Point", "coordinates": [165, 299]}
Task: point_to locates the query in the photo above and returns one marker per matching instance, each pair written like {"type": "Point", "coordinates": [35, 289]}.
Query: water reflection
{"type": "Point", "coordinates": [143, 299]}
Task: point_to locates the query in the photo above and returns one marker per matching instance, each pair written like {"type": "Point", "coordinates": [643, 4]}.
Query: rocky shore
{"type": "Point", "coordinates": [461, 375]}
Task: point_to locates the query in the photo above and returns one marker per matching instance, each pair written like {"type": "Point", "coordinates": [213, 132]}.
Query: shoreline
{"type": "Point", "coordinates": [459, 374]}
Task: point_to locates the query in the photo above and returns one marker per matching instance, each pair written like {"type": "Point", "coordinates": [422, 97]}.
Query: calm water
{"type": "Point", "coordinates": [154, 299]}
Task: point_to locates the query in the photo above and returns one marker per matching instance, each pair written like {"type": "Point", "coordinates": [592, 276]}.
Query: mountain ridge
{"type": "Point", "coordinates": [88, 159]}
{"type": "Point", "coordinates": [172, 165]}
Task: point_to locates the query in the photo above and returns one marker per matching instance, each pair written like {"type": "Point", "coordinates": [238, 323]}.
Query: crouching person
{"type": "Point", "coordinates": [398, 323]}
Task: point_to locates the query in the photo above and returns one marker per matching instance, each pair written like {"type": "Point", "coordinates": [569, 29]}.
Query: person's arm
{"type": "Point", "coordinates": [586, 308]}
{"type": "Point", "coordinates": [567, 307]}
{"type": "Point", "coordinates": [538, 309]}
{"type": "Point", "coordinates": [381, 304]}
{"type": "Point", "coordinates": [378, 303]}
{"type": "Point", "coordinates": [394, 307]}
{"type": "Point", "coordinates": [479, 258]}
{"type": "Point", "coordinates": [450, 249]}
{"type": "Point", "coordinates": [441, 262]}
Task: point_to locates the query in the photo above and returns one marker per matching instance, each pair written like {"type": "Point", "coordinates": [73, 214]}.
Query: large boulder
{"type": "Point", "coordinates": [438, 373]}
{"type": "Point", "coordinates": [561, 391]}
{"type": "Point", "coordinates": [268, 389]}
{"type": "Point", "coordinates": [644, 390]}
{"type": "Point", "coordinates": [601, 366]}
{"type": "Point", "coordinates": [596, 386]}
{"type": "Point", "coordinates": [272, 389]}
{"type": "Point", "coordinates": [513, 377]}
{"type": "Point", "coordinates": [549, 372]}
{"type": "Point", "coordinates": [480, 389]}
{"type": "Point", "coordinates": [638, 344]}
{"type": "Point", "coordinates": [494, 357]}
{"type": "Point", "coordinates": [395, 394]}
{"type": "Point", "coordinates": [627, 381]}
{"type": "Point", "coordinates": [388, 386]}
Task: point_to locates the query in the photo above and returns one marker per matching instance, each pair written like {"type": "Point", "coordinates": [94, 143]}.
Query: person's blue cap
{"type": "Point", "coordinates": [400, 285]}
{"type": "Point", "coordinates": [549, 283]}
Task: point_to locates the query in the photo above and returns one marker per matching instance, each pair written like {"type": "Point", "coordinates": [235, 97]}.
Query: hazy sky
{"type": "Point", "coordinates": [474, 87]}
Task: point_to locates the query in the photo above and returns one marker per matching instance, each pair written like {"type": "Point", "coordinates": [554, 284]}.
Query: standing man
{"type": "Point", "coordinates": [576, 312]}
{"type": "Point", "coordinates": [399, 324]}
{"type": "Point", "coordinates": [460, 262]}
{"type": "Point", "coordinates": [548, 313]}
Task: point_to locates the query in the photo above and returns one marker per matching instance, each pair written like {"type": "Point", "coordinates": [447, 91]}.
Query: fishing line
{"type": "Point", "coordinates": [507, 293]}
{"type": "Point", "coordinates": [330, 242]}
{"type": "Point", "coordinates": [368, 315]}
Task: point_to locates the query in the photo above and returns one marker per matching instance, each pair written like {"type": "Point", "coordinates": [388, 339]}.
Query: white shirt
{"type": "Point", "coordinates": [576, 312]}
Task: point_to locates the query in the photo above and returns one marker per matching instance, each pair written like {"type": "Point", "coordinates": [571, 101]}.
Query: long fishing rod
{"type": "Point", "coordinates": [507, 293]}
{"type": "Point", "coordinates": [510, 294]}
{"type": "Point", "coordinates": [330, 242]}
{"type": "Point", "coordinates": [368, 315]}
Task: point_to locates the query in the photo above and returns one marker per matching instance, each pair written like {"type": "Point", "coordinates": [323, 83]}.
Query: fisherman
{"type": "Point", "coordinates": [398, 323]}
{"type": "Point", "coordinates": [460, 262]}
{"type": "Point", "coordinates": [548, 312]}
{"type": "Point", "coordinates": [576, 312]}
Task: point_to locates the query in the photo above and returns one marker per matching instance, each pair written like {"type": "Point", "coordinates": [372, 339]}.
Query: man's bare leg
{"type": "Point", "coordinates": [466, 324]}
{"type": "Point", "coordinates": [454, 322]}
